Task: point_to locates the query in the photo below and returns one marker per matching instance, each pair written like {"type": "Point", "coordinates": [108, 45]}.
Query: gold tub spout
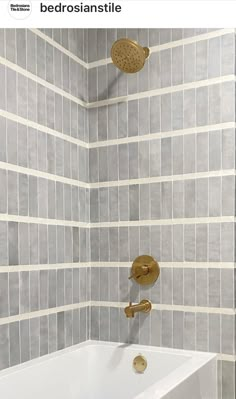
{"type": "Point", "coordinates": [144, 306]}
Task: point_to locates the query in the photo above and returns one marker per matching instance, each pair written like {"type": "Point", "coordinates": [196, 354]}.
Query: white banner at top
{"type": "Point", "coordinates": [117, 14]}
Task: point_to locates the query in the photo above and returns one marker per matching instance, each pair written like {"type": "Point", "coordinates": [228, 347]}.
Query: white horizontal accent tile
{"type": "Point", "coordinates": [41, 81]}
{"type": "Point", "coordinates": [183, 265]}
{"type": "Point", "coordinates": [148, 180]}
{"type": "Point", "coordinates": [48, 266]}
{"type": "Point", "coordinates": [27, 219]}
{"type": "Point", "coordinates": [46, 312]}
{"type": "Point", "coordinates": [180, 308]}
{"type": "Point", "coordinates": [58, 46]}
{"type": "Point", "coordinates": [173, 133]}
{"type": "Point", "coordinates": [166, 222]}
{"type": "Point", "coordinates": [176, 43]}
{"type": "Point", "coordinates": [44, 175]}
{"type": "Point", "coordinates": [164, 90]}
{"type": "Point", "coordinates": [42, 128]}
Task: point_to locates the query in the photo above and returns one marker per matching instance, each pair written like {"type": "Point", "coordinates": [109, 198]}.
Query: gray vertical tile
{"type": "Point", "coordinates": [178, 330]}
{"type": "Point", "coordinates": [166, 243]}
{"type": "Point", "coordinates": [24, 244]}
{"type": "Point", "coordinates": [227, 55]}
{"type": "Point", "coordinates": [166, 104]}
{"type": "Point", "coordinates": [166, 156]}
{"type": "Point", "coordinates": [13, 205]}
{"type": "Point", "coordinates": [201, 60]}
{"type": "Point", "coordinates": [202, 106]}
{"type": "Point", "coordinates": [189, 287]}
{"type": "Point", "coordinates": [155, 114]}
{"type": "Point", "coordinates": [202, 197]}
{"type": "Point", "coordinates": [4, 346]}
{"type": "Point", "coordinates": [52, 334]}
{"type": "Point", "coordinates": [165, 62]}
{"type": "Point", "coordinates": [24, 341]}
{"type": "Point", "coordinates": [4, 295]}
{"type": "Point", "coordinates": [227, 242]}
{"type": "Point", "coordinates": [189, 153]}
{"type": "Point", "coordinates": [189, 198]}
{"type": "Point", "coordinates": [190, 63]}
{"type": "Point", "coordinates": [43, 325]}
{"type": "Point", "coordinates": [34, 283]}
{"type": "Point", "coordinates": [189, 243]}
{"type": "Point", "coordinates": [177, 110]}
{"type": "Point", "coordinates": [201, 242]}
{"type": "Point", "coordinates": [189, 108]}
{"type": "Point", "coordinates": [214, 287]}
{"type": "Point", "coordinates": [178, 243]}
{"type": "Point", "coordinates": [214, 57]}
{"type": "Point", "coordinates": [134, 202]}
{"type": "Point", "coordinates": [227, 93]}
{"type": "Point", "coordinates": [189, 331]}
{"type": "Point", "coordinates": [166, 200]}
{"type": "Point", "coordinates": [201, 287]}
{"type": "Point", "coordinates": [34, 246]}
{"type": "Point", "coordinates": [14, 335]}
{"type": "Point", "coordinates": [227, 288]}
{"type": "Point", "coordinates": [34, 338]}
{"type": "Point", "coordinates": [13, 294]}
{"type": "Point", "coordinates": [202, 152]}
{"type": "Point", "coordinates": [3, 138]}
{"type": "Point", "coordinates": [215, 196]}
{"type": "Point", "coordinates": [24, 292]}
{"type": "Point", "coordinates": [228, 379]}
{"type": "Point", "coordinates": [13, 243]}
{"type": "Point", "coordinates": [214, 336]}
{"type": "Point", "coordinates": [3, 193]}
{"type": "Point", "coordinates": [23, 195]}
{"type": "Point", "coordinates": [155, 158]}
{"type": "Point", "coordinates": [167, 328]}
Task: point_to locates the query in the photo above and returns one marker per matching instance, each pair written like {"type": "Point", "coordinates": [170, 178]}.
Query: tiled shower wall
{"type": "Point", "coordinates": [43, 194]}
{"type": "Point", "coordinates": [162, 179]}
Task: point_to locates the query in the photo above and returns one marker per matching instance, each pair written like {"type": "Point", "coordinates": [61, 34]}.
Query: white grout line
{"type": "Point", "coordinates": [45, 312]}
{"type": "Point", "coordinates": [164, 90]}
{"type": "Point", "coordinates": [178, 308]}
{"type": "Point", "coordinates": [125, 140]}
{"type": "Point", "coordinates": [227, 358]}
{"type": "Point", "coordinates": [35, 220]}
{"type": "Point", "coordinates": [160, 179]}
{"type": "Point", "coordinates": [41, 81]}
{"type": "Point", "coordinates": [42, 128]}
{"type": "Point", "coordinates": [79, 265]}
{"type": "Point", "coordinates": [59, 47]}
{"type": "Point", "coordinates": [153, 49]}
{"type": "Point", "coordinates": [44, 175]}
{"type": "Point", "coordinates": [37, 267]}
{"type": "Point", "coordinates": [160, 222]}
{"type": "Point", "coordinates": [160, 135]}
{"type": "Point", "coordinates": [181, 265]}
{"type": "Point", "coordinates": [116, 100]}
{"type": "Point", "coordinates": [165, 222]}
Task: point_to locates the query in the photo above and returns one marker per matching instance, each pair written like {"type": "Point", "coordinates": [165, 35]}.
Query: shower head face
{"type": "Point", "coordinates": [128, 55]}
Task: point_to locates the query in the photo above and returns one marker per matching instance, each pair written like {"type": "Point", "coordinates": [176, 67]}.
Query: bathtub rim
{"type": "Point", "coordinates": [197, 359]}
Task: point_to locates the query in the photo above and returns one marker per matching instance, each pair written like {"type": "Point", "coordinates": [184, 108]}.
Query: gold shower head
{"type": "Point", "coordinates": [128, 55]}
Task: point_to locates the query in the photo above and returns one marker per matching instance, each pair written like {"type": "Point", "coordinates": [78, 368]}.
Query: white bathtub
{"type": "Point", "coordinates": [98, 370]}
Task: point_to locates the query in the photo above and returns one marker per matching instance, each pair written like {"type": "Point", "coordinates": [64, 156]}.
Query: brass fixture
{"type": "Point", "coordinates": [139, 364]}
{"type": "Point", "coordinates": [144, 306]}
{"type": "Point", "coordinates": [145, 270]}
{"type": "Point", "coordinates": [128, 55]}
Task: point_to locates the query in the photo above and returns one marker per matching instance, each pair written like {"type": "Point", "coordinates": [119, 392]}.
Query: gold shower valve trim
{"type": "Point", "coordinates": [145, 270]}
{"type": "Point", "coordinates": [128, 55]}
